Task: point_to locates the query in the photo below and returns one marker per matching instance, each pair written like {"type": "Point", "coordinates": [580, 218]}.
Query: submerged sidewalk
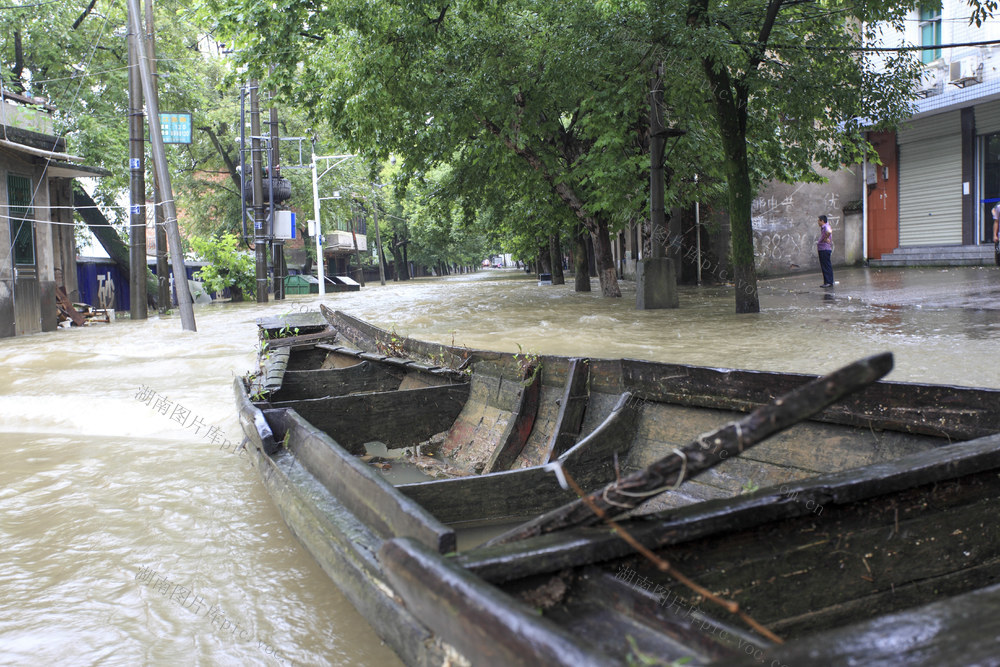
{"type": "Point", "coordinates": [965, 288]}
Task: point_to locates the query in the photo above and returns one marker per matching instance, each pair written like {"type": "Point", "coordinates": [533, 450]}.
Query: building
{"type": "Point", "coordinates": [37, 247]}
{"type": "Point", "coordinates": [929, 201]}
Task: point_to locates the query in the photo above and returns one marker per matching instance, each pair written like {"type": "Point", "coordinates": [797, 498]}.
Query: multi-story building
{"type": "Point", "coordinates": [930, 200]}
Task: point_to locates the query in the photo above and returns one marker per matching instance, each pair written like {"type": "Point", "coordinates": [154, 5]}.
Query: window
{"type": "Point", "coordinates": [930, 33]}
{"type": "Point", "coordinates": [20, 216]}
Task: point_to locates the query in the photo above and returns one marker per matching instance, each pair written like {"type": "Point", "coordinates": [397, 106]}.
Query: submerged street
{"type": "Point", "coordinates": [122, 475]}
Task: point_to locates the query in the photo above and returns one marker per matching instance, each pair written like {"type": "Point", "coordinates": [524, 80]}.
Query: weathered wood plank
{"type": "Point", "coordinates": [397, 418]}
{"type": "Point", "coordinates": [252, 421]}
{"type": "Point", "coordinates": [327, 335]}
{"type": "Point", "coordinates": [512, 442]}
{"type": "Point", "coordinates": [792, 500]}
{"type": "Point", "coordinates": [480, 621]}
{"type": "Point", "coordinates": [362, 491]}
{"type": "Point", "coordinates": [347, 550]}
{"type": "Point", "coordinates": [572, 408]}
{"type": "Point", "coordinates": [958, 413]}
{"type": "Point", "coordinates": [512, 495]}
{"type": "Point", "coordinates": [363, 377]}
{"type": "Point", "coordinates": [959, 631]}
{"type": "Point", "coordinates": [607, 610]}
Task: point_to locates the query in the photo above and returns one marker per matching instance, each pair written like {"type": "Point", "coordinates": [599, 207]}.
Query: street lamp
{"type": "Point", "coordinates": [340, 159]}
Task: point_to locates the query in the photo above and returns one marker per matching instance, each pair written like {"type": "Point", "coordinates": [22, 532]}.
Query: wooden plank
{"type": "Point", "coordinates": [956, 413]}
{"type": "Point", "coordinates": [397, 418]}
{"type": "Point", "coordinates": [709, 449]}
{"type": "Point", "coordinates": [363, 491]}
{"type": "Point", "coordinates": [957, 631]}
{"type": "Point", "coordinates": [792, 500]}
{"type": "Point", "coordinates": [485, 625]}
{"type": "Point", "coordinates": [523, 493]}
{"type": "Point", "coordinates": [572, 408]}
{"type": "Point", "coordinates": [289, 341]}
{"type": "Point", "coordinates": [619, 615]}
{"type": "Point", "coordinates": [511, 444]}
{"type": "Point", "coordinates": [252, 421]}
{"type": "Point", "coordinates": [346, 549]}
{"type": "Point", "coordinates": [363, 377]}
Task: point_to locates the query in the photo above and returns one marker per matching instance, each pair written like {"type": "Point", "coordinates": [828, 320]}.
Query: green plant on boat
{"type": "Point", "coordinates": [637, 658]}
{"type": "Point", "coordinates": [529, 365]}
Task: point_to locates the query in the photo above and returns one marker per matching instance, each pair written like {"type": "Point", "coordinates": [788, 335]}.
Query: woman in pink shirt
{"type": "Point", "coordinates": [824, 247]}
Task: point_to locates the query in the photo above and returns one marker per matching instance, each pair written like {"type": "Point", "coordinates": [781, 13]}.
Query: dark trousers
{"type": "Point", "coordinates": [826, 265]}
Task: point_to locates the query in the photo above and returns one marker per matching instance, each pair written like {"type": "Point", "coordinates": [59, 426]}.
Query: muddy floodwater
{"type": "Point", "coordinates": [132, 532]}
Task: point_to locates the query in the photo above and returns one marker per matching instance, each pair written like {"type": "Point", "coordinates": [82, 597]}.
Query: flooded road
{"type": "Point", "coordinates": [133, 533]}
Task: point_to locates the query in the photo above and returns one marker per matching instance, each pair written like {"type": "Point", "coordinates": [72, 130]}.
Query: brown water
{"type": "Point", "coordinates": [112, 508]}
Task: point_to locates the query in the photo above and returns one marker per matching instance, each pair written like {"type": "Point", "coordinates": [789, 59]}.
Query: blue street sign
{"type": "Point", "coordinates": [175, 127]}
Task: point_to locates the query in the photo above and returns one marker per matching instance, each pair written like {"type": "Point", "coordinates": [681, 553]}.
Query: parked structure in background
{"type": "Point", "coordinates": [37, 247]}
{"type": "Point", "coordinates": [929, 201]}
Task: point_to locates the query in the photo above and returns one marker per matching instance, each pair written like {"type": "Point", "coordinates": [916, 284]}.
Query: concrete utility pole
{"type": "Point", "coordinates": [259, 224]}
{"type": "Point", "coordinates": [656, 282]}
{"type": "Point", "coordinates": [162, 268]}
{"type": "Point", "coordinates": [378, 240]}
{"type": "Point", "coordinates": [274, 171]}
{"type": "Point", "coordinates": [137, 186]}
{"type": "Point", "coordinates": [163, 183]}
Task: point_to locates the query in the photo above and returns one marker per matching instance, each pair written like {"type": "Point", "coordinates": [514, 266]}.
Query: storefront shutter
{"type": "Point", "coordinates": [930, 182]}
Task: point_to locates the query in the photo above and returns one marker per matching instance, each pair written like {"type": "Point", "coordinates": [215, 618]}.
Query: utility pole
{"type": "Point", "coordinates": [317, 229]}
{"type": "Point", "coordinates": [257, 169]}
{"type": "Point", "coordinates": [137, 186]}
{"type": "Point", "coordinates": [160, 160]}
{"type": "Point", "coordinates": [163, 299]}
{"type": "Point", "coordinates": [378, 242]}
{"type": "Point", "coordinates": [274, 172]}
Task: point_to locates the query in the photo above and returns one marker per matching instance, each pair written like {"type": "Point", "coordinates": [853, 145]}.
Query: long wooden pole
{"type": "Point", "coordinates": [163, 184]}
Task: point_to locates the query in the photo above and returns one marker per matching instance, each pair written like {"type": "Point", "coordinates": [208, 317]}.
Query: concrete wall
{"type": "Point", "coordinates": [785, 229]}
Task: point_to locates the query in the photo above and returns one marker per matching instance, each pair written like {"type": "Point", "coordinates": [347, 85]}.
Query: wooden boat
{"type": "Point", "coordinates": [335, 385]}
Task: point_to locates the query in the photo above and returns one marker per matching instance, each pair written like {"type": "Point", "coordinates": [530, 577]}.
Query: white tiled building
{"type": "Point", "coordinates": [930, 200]}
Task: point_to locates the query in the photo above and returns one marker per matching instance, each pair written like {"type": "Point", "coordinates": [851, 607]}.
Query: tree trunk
{"type": "Point", "coordinates": [544, 261]}
{"type": "Point", "coordinates": [591, 257]}
{"type": "Point", "coordinates": [555, 257]}
{"type": "Point", "coordinates": [605, 261]}
{"type": "Point", "coordinates": [730, 97]}
{"type": "Point", "coordinates": [236, 294]}
{"type": "Point", "coordinates": [405, 273]}
{"type": "Point", "coordinates": [581, 265]}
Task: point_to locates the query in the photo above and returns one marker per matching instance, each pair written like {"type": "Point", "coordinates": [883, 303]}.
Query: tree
{"type": "Point", "coordinates": [557, 87]}
{"type": "Point", "coordinates": [788, 90]}
{"type": "Point", "coordinates": [228, 266]}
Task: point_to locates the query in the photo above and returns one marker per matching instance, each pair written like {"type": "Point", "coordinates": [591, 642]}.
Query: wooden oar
{"type": "Point", "coordinates": [707, 450]}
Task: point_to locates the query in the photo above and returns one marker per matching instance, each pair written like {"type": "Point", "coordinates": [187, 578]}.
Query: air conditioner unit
{"type": "Point", "coordinates": [966, 71]}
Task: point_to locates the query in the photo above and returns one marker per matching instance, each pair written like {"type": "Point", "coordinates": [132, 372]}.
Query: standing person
{"type": "Point", "coordinates": [824, 247]}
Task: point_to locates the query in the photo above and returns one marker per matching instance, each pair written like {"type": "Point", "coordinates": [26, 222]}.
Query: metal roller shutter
{"type": "Point", "coordinates": [988, 118]}
{"type": "Point", "coordinates": [930, 183]}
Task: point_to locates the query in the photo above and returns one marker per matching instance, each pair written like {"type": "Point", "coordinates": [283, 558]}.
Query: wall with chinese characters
{"type": "Point", "coordinates": [784, 222]}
